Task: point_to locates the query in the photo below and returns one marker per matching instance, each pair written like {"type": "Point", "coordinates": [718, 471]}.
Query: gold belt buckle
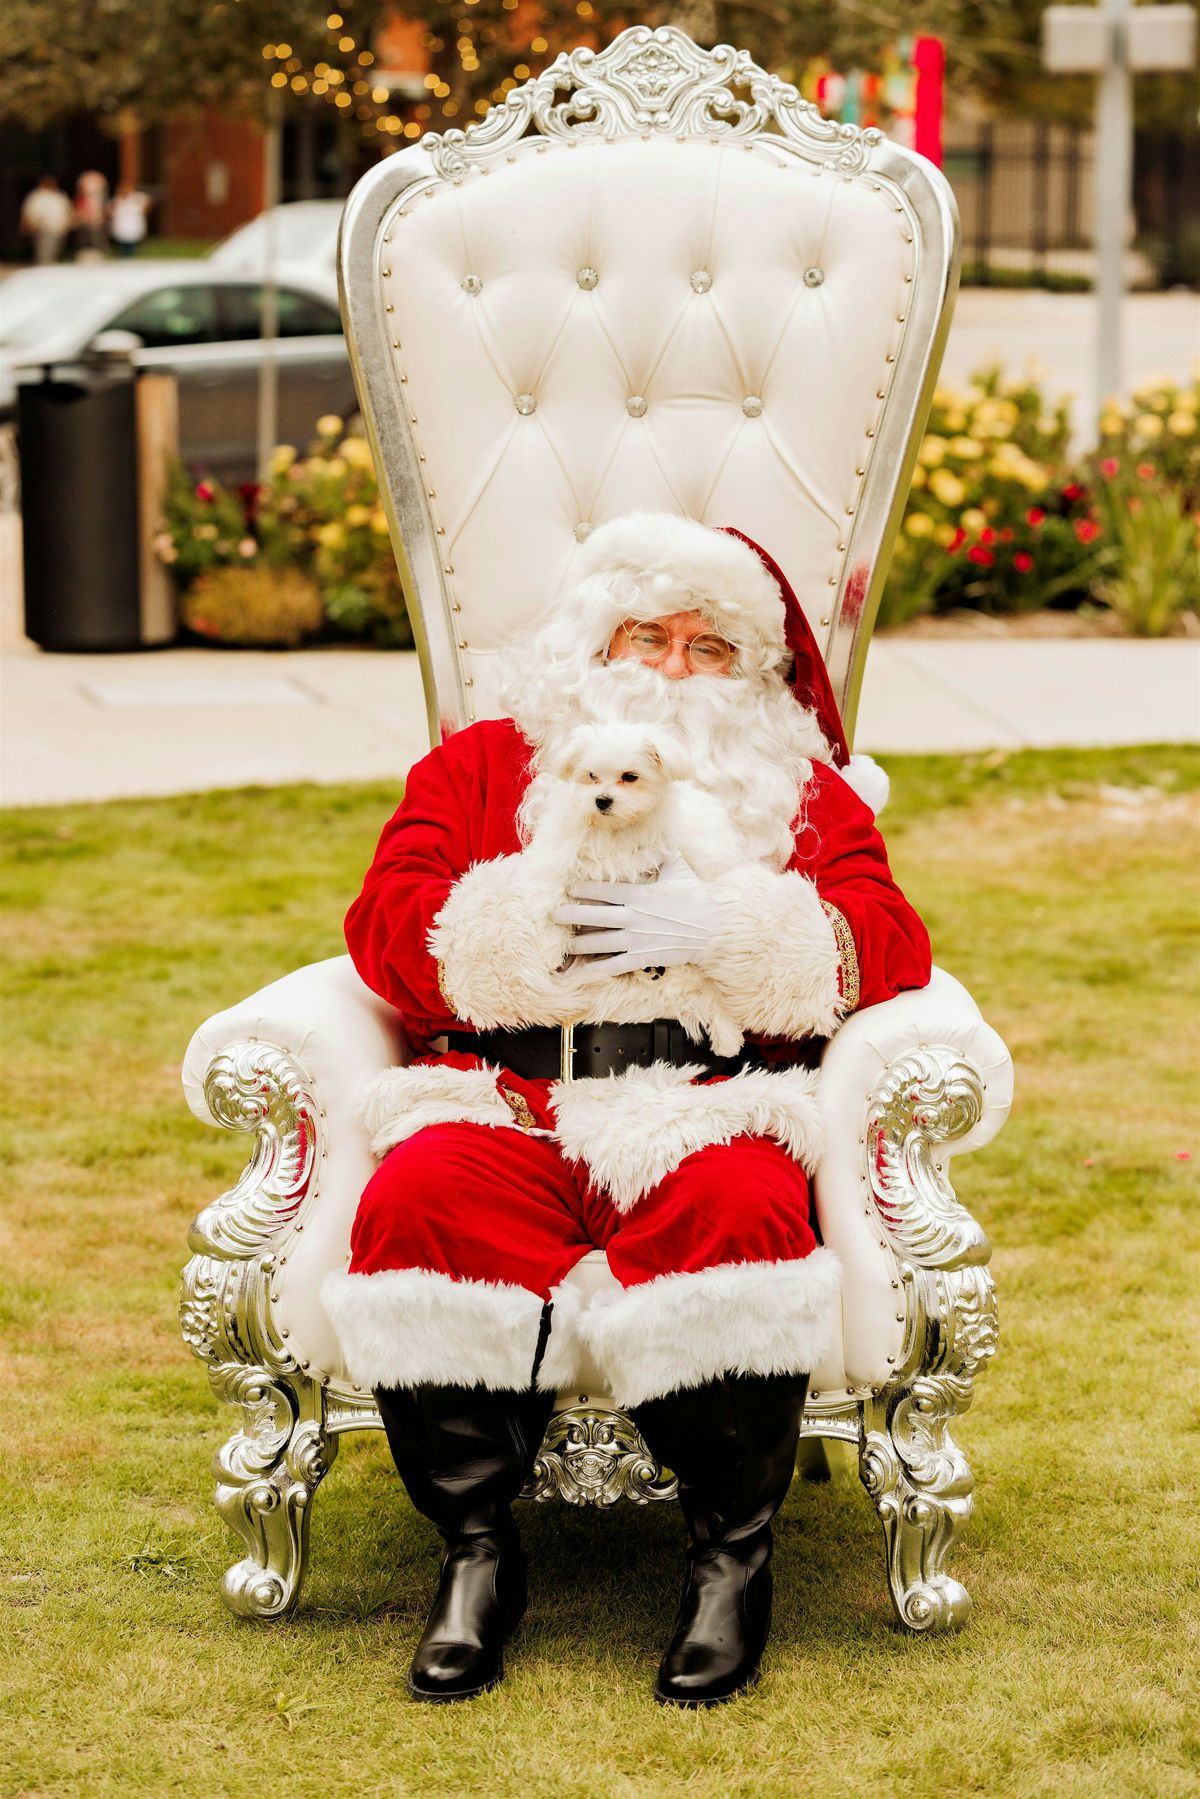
{"type": "Point", "coordinates": [566, 1053]}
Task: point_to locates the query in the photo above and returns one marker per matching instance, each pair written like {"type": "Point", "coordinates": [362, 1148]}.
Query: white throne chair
{"type": "Point", "coordinates": [654, 277]}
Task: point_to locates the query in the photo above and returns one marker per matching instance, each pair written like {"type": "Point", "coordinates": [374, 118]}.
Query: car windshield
{"type": "Point", "coordinates": [302, 234]}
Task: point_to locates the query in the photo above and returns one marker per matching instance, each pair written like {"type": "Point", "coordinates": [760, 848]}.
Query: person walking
{"type": "Point", "coordinates": [91, 216]}
{"type": "Point", "coordinates": [46, 215]}
{"type": "Point", "coordinates": [127, 218]}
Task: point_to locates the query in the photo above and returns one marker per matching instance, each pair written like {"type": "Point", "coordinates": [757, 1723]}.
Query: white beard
{"type": "Point", "coordinates": [747, 743]}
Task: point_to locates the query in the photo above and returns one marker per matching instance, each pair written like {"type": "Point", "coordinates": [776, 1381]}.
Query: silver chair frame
{"type": "Point", "coordinates": [644, 82]}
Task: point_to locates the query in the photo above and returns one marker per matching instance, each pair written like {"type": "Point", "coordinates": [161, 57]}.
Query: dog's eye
{"type": "Point", "coordinates": [628, 777]}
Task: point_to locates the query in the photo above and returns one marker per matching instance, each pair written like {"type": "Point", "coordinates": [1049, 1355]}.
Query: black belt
{"type": "Point", "coordinates": [546, 1052]}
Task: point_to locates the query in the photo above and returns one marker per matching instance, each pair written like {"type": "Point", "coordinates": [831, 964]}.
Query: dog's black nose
{"type": "Point", "coordinates": [603, 802]}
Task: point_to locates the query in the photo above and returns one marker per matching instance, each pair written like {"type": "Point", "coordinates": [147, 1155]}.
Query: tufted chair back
{"type": "Point", "coordinates": [676, 288]}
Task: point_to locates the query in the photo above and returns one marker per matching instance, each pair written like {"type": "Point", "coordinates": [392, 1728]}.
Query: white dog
{"type": "Point", "coordinates": [614, 804]}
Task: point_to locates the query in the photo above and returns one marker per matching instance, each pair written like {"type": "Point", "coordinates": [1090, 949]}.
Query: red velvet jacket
{"type": "Point", "coordinates": [460, 808]}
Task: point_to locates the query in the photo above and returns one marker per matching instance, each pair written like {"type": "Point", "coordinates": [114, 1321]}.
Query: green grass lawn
{"type": "Point", "coordinates": [1062, 889]}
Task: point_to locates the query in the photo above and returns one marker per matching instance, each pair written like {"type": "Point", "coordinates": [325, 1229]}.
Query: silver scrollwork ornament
{"type": "Point", "coordinates": [595, 1457]}
{"type": "Point", "coordinates": [655, 80]}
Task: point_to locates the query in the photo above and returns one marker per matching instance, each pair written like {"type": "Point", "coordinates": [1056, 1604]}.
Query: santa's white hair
{"type": "Point", "coordinates": [744, 735]}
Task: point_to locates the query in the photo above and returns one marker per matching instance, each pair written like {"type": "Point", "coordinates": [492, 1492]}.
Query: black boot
{"type": "Point", "coordinates": [464, 1454]}
{"type": "Point", "coordinates": [732, 1445]}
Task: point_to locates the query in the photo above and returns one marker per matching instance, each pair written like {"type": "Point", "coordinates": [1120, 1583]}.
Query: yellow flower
{"type": "Point", "coordinates": [966, 448]}
{"type": "Point", "coordinates": [1112, 424]}
{"type": "Point", "coordinates": [379, 521]}
{"type": "Point", "coordinates": [331, 537]}
{"type": "Point", "coordinates": [1148, 424]}
{"type": "Point", "coordinates": [282, 458]}
{"type": "Point", "coordinates": [335, 466]}
{"type": "Point", "coordinates": [945, 534]}
{"type": "Point", "coordinates": [356, 451]}
{"type": "Point", "coordinates": [948, 488]}
{"type": "Point", "coordinates": [972, 519]}
{"type": "Point", "coordinates": [918, 524]}
{"type": "Point", "coordinates": [358, 515]}
{"type": "Point", "coordinates": [955, 419]}
{"type": "Point", "coordinates": [329, 425]}
{"type": "Point", "coordinates": [919, 476]}
{"type": "Point", "coordinates": [932, 451]}
{"type": "Point", "coordinates": [1181, 424]}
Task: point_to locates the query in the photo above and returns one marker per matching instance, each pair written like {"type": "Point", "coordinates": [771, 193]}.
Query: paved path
{"type": "Point", "coordinates": [180, 721]}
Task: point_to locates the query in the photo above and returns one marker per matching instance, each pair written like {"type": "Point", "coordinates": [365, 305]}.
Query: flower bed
{"type": "Point", "coordinates": [305, 554]}
{"type": "Point", "coordinates": [1000, 519]}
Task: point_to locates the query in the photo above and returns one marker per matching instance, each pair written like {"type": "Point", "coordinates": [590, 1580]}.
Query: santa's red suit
{"type": "Point", "coordinates": [498, 1175]}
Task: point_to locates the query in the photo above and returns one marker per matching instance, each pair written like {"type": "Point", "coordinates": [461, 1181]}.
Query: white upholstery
{"type": "Point", "coordinates": [341, 1034]}
{"type": "Point", "coordinates": [698, 372]}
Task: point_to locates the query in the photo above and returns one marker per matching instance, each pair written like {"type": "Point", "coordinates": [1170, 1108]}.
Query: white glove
{"type": "Point", "coordinates": [642, 924]}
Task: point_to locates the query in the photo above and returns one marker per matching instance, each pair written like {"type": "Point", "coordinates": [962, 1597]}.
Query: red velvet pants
{"type": "Point", "coordinates": [480, 1204]}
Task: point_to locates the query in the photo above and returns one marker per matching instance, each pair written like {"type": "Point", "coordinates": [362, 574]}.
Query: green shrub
{"type": "Point", "coordinates": [264, 606]}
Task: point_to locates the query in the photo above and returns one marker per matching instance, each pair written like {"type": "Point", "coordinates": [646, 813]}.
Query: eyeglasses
{"type": "Point", "coordinates": [708, 654]}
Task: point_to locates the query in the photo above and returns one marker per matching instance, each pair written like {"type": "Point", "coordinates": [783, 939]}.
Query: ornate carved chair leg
{"type": "Point", "coordinates": [266, 1477]}
{"type": "Point", "coordinates": [921, 1485]}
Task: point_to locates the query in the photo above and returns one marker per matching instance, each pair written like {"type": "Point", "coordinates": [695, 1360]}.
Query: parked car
{"type": "Point", "coordinates": [305, 232]}
{"type": "Point", "coordinates": [201, 318]}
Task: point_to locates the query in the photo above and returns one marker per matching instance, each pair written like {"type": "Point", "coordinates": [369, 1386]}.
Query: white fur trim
{"type": "Point", "coordinates": [633, 1128]}
{"type": "Point", "coordinates": [670, 559]}
{"type": "Point", "coordinates": [871, 783]}
{"type": "Point", "coordinates": [562, 1362]}
{"type": "Point", "coordinates": [406, 1326]}
{"type": "Point", "coordinates": [773, 955]}
{"type": "Point", "coordinates": [402, 1101]}
{"type": "Point", "coordinates": [498, 946]}
{"type": "Point", "coordinates": [682, 1330]}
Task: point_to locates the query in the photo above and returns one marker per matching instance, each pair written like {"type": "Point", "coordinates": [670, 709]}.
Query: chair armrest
{"type": "Point", "coordinates": [905, 1086]}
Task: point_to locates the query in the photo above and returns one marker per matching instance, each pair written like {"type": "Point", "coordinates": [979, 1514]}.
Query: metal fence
{"type": "Point", "coordinates": [1026, 197]}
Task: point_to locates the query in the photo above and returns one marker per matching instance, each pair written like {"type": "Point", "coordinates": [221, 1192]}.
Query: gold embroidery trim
{"type": "Point", "coordinates": [445, 991]}
{"type": "Point", "coordinates": [848, 974]}
{"type": "Point", "coordinates": [518, 1105]}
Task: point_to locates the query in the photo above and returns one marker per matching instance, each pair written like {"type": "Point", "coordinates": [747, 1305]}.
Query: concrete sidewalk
{"type": "Point", "coordinates": [179, 721]}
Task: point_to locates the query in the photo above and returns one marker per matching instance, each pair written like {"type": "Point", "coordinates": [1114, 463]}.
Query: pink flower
{"type": "Point", "coordinates": [1146, 470]}
{"type": "Point", "coordinates": [1089, 1161]}
{"type": "Point", "coordinates": [1072, 491]}
{"type": "Point", "coordinates": [957, 541]}
{"type": "Point", "coordinates": [1022, 562]}
{"type": "Point", "coordinates": [1110, 467]}
{"type": "Point", "coordinates": [204, 491]}
{"type": "Point", "coordinates": [984, 558]}
{"type": "Point", "coordinates": [987, 535]}
{"type": "Point", "coordinates": [1183, 1155]}
{"type": "Point", "coordinates": [1034, 516]}
{"type": "Point", "coordinates": [247, 547]}
{"type": "Point", "coordinates": [1086, 530]}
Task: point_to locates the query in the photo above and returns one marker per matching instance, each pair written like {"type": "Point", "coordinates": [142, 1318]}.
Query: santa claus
{"type": "Point", "coordinates": [569, 1110]}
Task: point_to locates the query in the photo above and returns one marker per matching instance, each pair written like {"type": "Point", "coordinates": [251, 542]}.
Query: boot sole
{"type": "Point", "coordinates": [701, 1705]}
{"type": "Point", "coordinates": [424, 1698]}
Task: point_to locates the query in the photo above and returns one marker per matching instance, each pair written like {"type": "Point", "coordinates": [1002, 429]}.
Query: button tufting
{"type": "Point", "coordinates": [813, 277]}
{"type": "Point", "coordinates": [583, 530]}
{"type": "Point", "coordinates": [525, 404]}
{"type": "Point", "coordinates": [701, 280]}
{"type": "Point", "coordinates": [471, 284]}
{"type": "Point", "coordinates": [752, 406]}
{"type": "Point", "coordinates": [635, 406]}
{"type": "Point", "coordinates": [586, 278]}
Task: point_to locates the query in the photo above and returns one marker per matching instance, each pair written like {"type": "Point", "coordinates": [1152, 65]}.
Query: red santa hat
{"type": "Point", "coordinates": [672, 564]}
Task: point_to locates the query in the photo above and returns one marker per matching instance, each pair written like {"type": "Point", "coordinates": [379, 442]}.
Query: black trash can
{"type": "Point", "coordinates": [77, 441]}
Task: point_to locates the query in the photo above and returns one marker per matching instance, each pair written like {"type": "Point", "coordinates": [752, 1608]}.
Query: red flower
{"type": "Point", "coordinates": [1006, 535]}
{"type": "Point", "coordinates": [983, 557]}
{"type": "Point", "coordinates": [203, 491]}
{"type": "Point", "coordinates": [1110, 467]}
{"type": "Point", "coordinates": [1022, 562]}
{"type": "Point", "coordinates": [1146, 470]}
{"type": "Point", "coordinates": [987, 535]}
{"type": "Point", "coordinates": [1086, 530]}
{"type": "Point", "coordinates": [957, 541]}
{"type": "Point", "coordinates": [1072, 491]}
{"type": "Point", "coordinates": [1034, 516]}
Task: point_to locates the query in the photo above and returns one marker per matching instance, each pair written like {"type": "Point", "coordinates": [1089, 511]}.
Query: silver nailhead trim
{"type": "Point", "coordinates": [701, 281]}
{"type": "Point", "coordinates": [813, 277]}
{"type": "Point", "coordinates": [525, 404]}
{"type": "Point", "coordinates": [471, 284]}
{"type": "Point", "coordinates": [586, 277]}
{"type": "Point", "coordinates": [635, 406]}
